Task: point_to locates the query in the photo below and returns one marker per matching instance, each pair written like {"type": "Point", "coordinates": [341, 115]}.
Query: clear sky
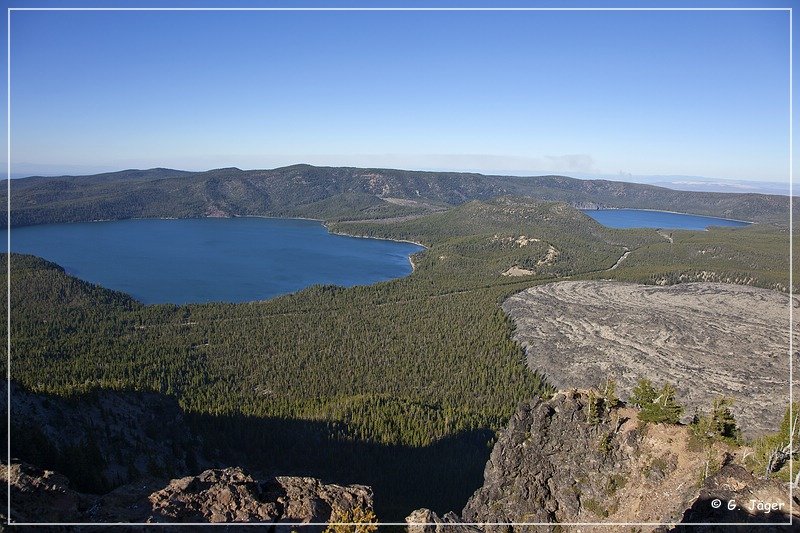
{"type": "Point", "coordinates": [693, 93]}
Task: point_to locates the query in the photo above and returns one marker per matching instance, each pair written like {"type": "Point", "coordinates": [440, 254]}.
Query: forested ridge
{"type": "Point", "coordinates": [339, 193]}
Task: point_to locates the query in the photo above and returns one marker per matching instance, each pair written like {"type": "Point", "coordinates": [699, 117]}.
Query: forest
{"type": "Point", "coordinates": [405, 362]}
{"type": "Point", "coordinates": [408, 364]}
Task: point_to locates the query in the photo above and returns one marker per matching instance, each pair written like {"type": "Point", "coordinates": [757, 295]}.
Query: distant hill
{"type": "Point", "coordinates": [682, 182]}
{"type": "Point", "coordinates": [338, 193]}
{"type": "Point", "coordinates": [690, 183]}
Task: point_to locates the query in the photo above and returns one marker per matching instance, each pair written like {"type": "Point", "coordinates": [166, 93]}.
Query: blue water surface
{"type": "Point", "coordinates": [640, 218]}
{"type": "Point", "coordinates": [213, 259]}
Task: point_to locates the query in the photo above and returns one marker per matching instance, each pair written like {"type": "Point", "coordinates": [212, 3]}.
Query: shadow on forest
{"type": "Point", "coordinates": [441, 476]}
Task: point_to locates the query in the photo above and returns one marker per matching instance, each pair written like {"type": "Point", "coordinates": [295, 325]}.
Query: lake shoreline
{"type": "Point", "coordinates": [410, 260]}
{"type": "Point", "coordinates": [326, 225]}
{"type": "Point", "coordinates": [344, 263]}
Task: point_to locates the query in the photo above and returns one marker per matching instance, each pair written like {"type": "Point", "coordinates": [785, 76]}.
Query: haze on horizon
{"type": "Point", "coordinates": [575, 93]}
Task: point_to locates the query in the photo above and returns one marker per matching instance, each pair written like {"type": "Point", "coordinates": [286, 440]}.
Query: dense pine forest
{"type": "Point", "coordinates": [407, 361]}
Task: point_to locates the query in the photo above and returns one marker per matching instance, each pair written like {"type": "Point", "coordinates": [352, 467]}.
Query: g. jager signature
{"type": "Point", "coordinates": [765, 507]}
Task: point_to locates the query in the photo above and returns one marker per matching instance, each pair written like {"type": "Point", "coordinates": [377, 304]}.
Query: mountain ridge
{"type": "Point", "coordinates": [337, 193]}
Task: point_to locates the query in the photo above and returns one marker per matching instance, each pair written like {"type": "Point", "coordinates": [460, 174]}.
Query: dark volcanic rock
{"type": "Point", "coordinates": [426, 521]}
{"type": "Point", "coordinates": [40, 495]}
{"type": "Point", "coordinates": [227, 495]}
{"type": "Point", "coordinates": [230, 495]}
{"type": "Point", "coordinates": [555, 464]}
{"type": "Point", "coordinates": [548, 464]}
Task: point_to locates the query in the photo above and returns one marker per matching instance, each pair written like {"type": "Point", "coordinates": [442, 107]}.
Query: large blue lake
{"type": "Point", "coordinates": [213, 259]}
{"type": "Point", "coordinates": [641, 218]}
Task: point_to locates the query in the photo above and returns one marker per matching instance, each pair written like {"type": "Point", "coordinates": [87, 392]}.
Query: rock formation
{"type": "Point", "coordinates": [747, 495]}
{"type": "Point", "coordinates": [40, 495]}
{"type": "Point", "coordinates": [558, 463]}
{"type": "Point", "coordinates": [227, 495]}
{"type": "Point", "coordinates": [426, 521]}
{"type": "Point", "coordinates": [230, 495]}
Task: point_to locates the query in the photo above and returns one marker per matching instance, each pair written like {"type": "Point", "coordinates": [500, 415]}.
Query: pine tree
{"type": "Point", "coordinates": [643, 394]}
{"type": "Point", "coordinates": [610, 394]}
{"type": "Point", "coordinates": [722, 420]}
{"type": "Point", "coordinates": [655, 406]}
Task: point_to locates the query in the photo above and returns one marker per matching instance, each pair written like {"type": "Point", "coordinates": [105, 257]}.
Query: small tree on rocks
{"type": "Point", "coordinates": [656, 406]}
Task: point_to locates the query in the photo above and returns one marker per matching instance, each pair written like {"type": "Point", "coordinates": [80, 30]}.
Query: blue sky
{"type": "Point", "coordinates": [692, 93]}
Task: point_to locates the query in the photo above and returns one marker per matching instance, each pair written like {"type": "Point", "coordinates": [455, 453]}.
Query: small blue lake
{"type": "Point", "coordinates": [213, 259]}
{"type": "Point", "coordinates": [641, 218]}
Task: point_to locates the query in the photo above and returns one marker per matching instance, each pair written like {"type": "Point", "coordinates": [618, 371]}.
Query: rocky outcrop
{"type": "Point", "coordinates": [558, 463]}
{"type": "Point", "coordinates": [226, 495]}
{"type": "Point", "coordinates": [231, 495]}
{"type": "Point", "coordinates": [708, 339]}
{"type": "Point", "coordinates": [40, 495]}
{"type": "Point", "coordinates": [426, 521]}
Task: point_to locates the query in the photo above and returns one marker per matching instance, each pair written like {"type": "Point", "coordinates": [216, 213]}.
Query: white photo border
{"type": "Point", "coordinates": [300, 524]}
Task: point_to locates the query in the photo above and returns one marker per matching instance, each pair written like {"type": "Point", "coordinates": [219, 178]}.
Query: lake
{"type": "Point", "coordinates": [642, 218]}
{"type": "Point", "coordinates": [213, 259]}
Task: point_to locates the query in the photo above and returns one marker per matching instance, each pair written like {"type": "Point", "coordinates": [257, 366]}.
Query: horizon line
{"type": "Point", "coordinates": [721, 183]}
{"type": "Point", "coordinates": [503, 173]}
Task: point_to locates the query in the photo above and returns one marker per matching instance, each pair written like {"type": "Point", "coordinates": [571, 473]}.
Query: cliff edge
{"type": "Point", "coordinates": [559, 462]}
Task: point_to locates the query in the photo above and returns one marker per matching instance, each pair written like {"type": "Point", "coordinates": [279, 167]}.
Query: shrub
{"type": "Point", "coordinates": [722, 421]}
{"type": "Point", "coordinates": [595, 408]}
{"type": "Point", "coordinates": [771, 453]}
{"type": "Point", "coordinates": [356, 520]}
{"type": "Point", "coordinates": [604, 443]}
{"type": "Point", "coordinates": [594, 507]}
{"type": "Point", "coordinates": [720, 424]}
